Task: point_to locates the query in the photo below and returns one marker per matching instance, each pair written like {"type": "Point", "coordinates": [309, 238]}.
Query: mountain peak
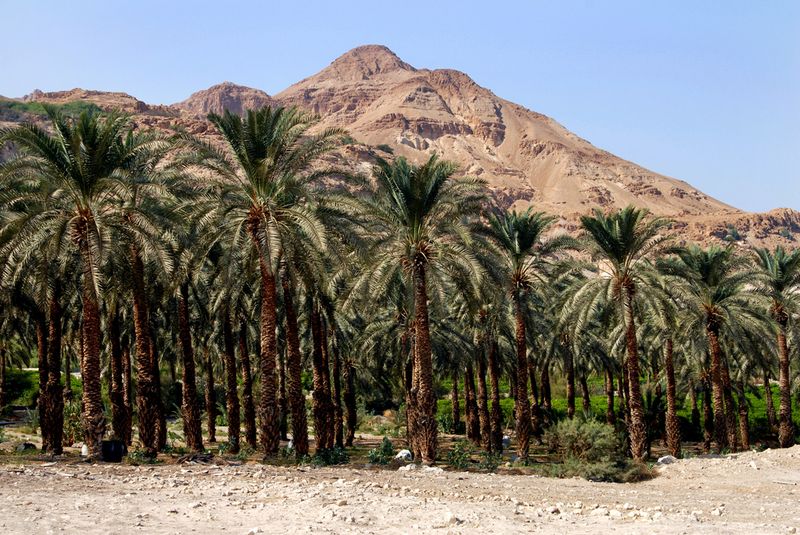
{"type": "Point", "coordinates": [364, 62]}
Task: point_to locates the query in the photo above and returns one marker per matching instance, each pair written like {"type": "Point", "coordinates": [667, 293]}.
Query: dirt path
{"type": "Point", "coordinates": [746, 493]}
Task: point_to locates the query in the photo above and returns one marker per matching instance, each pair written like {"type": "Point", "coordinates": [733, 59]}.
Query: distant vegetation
{"type": "Point", "coordinates": [12, 110]}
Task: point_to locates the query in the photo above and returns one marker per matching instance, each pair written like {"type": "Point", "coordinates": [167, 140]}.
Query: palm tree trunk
{"type": "Point", "coordinates": [94, 423]}
{"type": "Point", "coordinates": [623, 413]}
{"type": "Point", "coordinates": [231, 384]}
{"type": "Point", "coordinates": [483, 405]}
{"type": "Point", "coordinates": [42, 401]}
{"type": "Point", "coordinates": [695, 411]}
{"type": "Point", "coordinates": [411, 419]}
{"type": "Point", "coordinates": [744, 420]}
{"type": "Point", "coordinates": [471, 406]}
{"type": "Point", "coordinates": [55, 393]}
{"type": "Point", "coordinates": [338, 413]}
{"type": "Point", "coordinates": [67, 376]}
{"type": "Point", "coordinates": [247, 389]}
{"type": "Point", "coordinates": [297, 402]}
{"type": "Point", "coordinates": [708, 416]}
{"type": "Point", "coordinates": [211, 398]}
{"type": "Point", "coordinates": [636, 425]}
{"type": "Point", "coordinates": [189, 406]}
{"type": "Point", "coordinates": [454, 405]}
{"type": "Point", "coordinates": [611, 417]}
{"type": "Point", "coordinates": [547, 395]}
{"type": "Point", "coordinates": [586, 402]}
{"type": "Point", "coordinates": [326, 382]}
{"type": "Point", "coordinates": [536, 411]}
{"type": "Point", "coordinates": [127, 398]}
{"type": "Point", "coordinates": [720, 429]}
{"type": "Point", "coordinates": [496, 415]}
{"type": "Point", "coordinates": [785, 423]}
{"type": "Point", "coordinates": [350, 403]}
{"type": "Point", "coordinates": [569, 366]}
{"type": "Point", "coordinates": [161, 414]}
{"type": "Point", "coordinates": [319, 400]}
{"type": "Point", "coordinates": [147, 389]}
{"type": "Point", "coordinates": [3, 384]}
{"type": "Point", "coordinates": [268, 411]}
{"type": "Point", "coordinates": [115, 391]}
{"type": "Point", "coordinates": [425, 409]}
{"type": "Point", "coordinates": [523, 410]}
{"type": "Point", "coordinates": [283, 402]}
{"type": "Point", "coordinates": [730, 408]}
{"type": "Point", "coordinates": [772, 419]}
{"type": "Point", "coordinates": [672, 425]}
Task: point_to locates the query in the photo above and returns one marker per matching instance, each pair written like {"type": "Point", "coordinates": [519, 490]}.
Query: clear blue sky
{"type": "Point", "coordinates": [708, 93]}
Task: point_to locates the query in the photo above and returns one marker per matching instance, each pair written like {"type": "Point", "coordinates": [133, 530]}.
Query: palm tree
{"type": "Point", "coordinates": [781, 271]}
{"type": "Point", "coordinates": [717, 291]}
{"type": "Point", "coordinates": [82, 162]}
{"type": "Point", "coordinates": [621, 242]}
{"type": "Point", "coordinates": [519, 238]}
{"type": "Point", "coordinates": [419, 221]}
{"type": "Point", "coordinates": [254, 199]}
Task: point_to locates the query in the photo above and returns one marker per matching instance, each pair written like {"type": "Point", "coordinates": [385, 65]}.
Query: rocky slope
{"type": "Point", "coordinates": [392, 108]}
{"type": "Point", "coordinates": [226, 95]}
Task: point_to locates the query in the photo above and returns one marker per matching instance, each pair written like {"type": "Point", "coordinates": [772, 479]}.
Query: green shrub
{"type": "Point", "coordinates": [491, 460]}
{"type": "Point", "coordinates": [584, 440]}
{"type": "Point", "coordinates": [383, 454]}
{"type": "Point", "coordinates": [32, 420]}
{"type": "Point", "coordinates": [73, 425]}
{"type": "Point", "coordinates": [591, 450]}
{"type": "Point", "coordinates": [329, 457]}
{"type": "Point", "coordinates": [2, 434]}
{"type": "Point", "coordinates": [385, 148]}
{"type": "Point", "coordinates": [459, 455]}
{"type": "Point", "coordinates": [137, 457]}
{"type": "Point", "coordinates": [732, 234]}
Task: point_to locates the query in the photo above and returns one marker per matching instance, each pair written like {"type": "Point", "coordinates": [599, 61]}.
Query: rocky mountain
{"type": "Point", "coordinates": [391, 108]}
{"type": "Point", "coordinates": [226, 95]}
{"type": "Point", "coordinates": [525, 155]}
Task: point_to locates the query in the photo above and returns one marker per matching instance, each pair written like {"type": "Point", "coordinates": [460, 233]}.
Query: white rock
{"type": "Point", "coordinates": [450, 518]}
{"type": "Point", "coordinates": [600, 511]}
{"type": "Point", "coordinates": [407, 468]}
{"type": "Point", "coordinates": [253, 531]}
{"type": "Point", "coordinates": [403, 455]}
{"type": "Point", "coordinates": [84, 451]}
{"type": "Point", "coordinates": [666, 459]}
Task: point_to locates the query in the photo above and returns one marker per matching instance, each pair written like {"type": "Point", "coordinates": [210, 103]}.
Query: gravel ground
{"type": "Point", "coordinates": [745, 493]}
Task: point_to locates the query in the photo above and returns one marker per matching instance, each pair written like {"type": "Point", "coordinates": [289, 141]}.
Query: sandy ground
{"type": "Point", "coordinates": [744, 493]}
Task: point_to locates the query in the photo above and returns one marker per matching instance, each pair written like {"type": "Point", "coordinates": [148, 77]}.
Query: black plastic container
{"type": "Point", "coordinates": [112, 451]}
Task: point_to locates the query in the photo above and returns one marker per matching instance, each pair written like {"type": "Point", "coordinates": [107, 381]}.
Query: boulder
{"type": "Point", "coordinates": [403, 455]}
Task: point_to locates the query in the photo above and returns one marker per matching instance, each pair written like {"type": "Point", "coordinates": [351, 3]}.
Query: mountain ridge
{"type": "Point", "coordinates": [526, 157]}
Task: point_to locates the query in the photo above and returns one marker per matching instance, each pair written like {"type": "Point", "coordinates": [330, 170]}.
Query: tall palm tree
{"type": "Point", "coordinates": [718, 292]}
{"type": "Point", "coordinates": [82, 162]}
{"type": "Point", "coordinates": [621, 242]}
{"type": "Point", "coordinates": [419, 220]}
{"type": "Point", "coordinates": [781, 272]}
{"type": "Point", "coordinates": [254, 198]}
{"type": "Point", "coordinates": [519, 238]}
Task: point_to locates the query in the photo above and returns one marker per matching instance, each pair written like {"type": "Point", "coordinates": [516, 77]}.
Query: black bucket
{"type": "Point", "coordinates": [112, 451]}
